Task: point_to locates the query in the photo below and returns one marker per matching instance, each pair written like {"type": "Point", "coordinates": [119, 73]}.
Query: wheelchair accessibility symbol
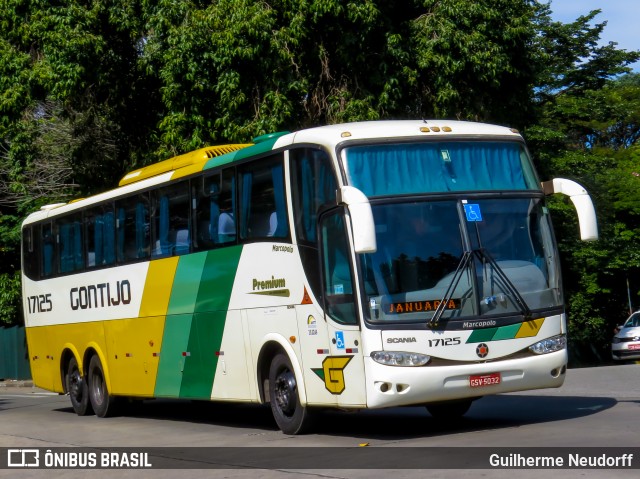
{"type": "Point", "coordinates": [473, 212]}
{"type": "Point", "coordinates": [339, 340]}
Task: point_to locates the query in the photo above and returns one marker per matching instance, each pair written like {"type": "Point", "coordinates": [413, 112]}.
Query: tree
{"type": "Point", "coordinates": [92, 88]}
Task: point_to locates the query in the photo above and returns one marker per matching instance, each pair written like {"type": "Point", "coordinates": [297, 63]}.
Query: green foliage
{"type": "Point", "coordinates": [90, 89]}
{"type": "Point", "coordinates": [10, 298]}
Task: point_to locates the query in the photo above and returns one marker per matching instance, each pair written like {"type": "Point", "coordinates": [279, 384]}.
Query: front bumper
{"type": "Point", "coordinates": [391, 386]}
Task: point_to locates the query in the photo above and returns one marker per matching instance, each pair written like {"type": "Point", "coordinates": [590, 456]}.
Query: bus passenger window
{"type": "Point", "coordinates": [132, 219]}
{"type": "Point", "coordinates": [263, 210]}
{"type": "Point", "coordinates": [30, 252]}
{"type": "Point", "coordinates": [48, 250]}
{"type": "Point", "coordinates": [70, 249]}
{"type": "Point", "coordinates": [170, 220]}
{"type": "Point", "coordinates": [99, 226]}
{"type": "Point", "coordinates": [214, 214]}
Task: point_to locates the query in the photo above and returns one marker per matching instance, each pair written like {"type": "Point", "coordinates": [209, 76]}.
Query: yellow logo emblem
{"type": "Point", "coordinates": [332, 373]}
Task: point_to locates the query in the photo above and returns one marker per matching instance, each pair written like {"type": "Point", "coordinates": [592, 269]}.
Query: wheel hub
{"type": "Point", "coordinates": [285, 389]}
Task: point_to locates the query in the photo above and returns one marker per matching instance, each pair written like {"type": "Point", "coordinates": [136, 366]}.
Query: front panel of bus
{"type": "Point", "coordinates": [462, 297]}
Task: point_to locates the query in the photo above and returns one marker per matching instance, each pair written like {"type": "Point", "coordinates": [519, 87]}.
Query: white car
{"type": "Point", "coordinates": [626, 343]}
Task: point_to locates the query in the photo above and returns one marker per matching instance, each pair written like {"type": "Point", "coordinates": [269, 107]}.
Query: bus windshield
{"type": "Point", "coordinates": [480, 258]}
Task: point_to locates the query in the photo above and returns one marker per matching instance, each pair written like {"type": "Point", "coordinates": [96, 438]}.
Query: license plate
{"type": "Point", "coordinates": [485, 380]}
{"type": "Point", "coordinates": [634, 346]}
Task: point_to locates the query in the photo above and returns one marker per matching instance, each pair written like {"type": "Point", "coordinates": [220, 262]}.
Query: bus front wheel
{"type": "Point", "coordinates": [289, 414]}
{"type": "Point", "coordinates": [103, 403]}
{"type": "Point", "coordinates": [77, 389]}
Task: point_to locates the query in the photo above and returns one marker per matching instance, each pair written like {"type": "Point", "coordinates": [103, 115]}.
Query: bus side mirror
{"type": "Point", "coordinates": [582, 203]}
{"type": "Point", "coordinates": [364, 231]}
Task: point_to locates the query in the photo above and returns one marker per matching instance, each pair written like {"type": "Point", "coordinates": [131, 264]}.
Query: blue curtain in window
{"type": "Point", "coordinates": [435, 167]}
{"type": "Point", "coordinates": [281, 208]}
{"type": "Point", "coordinates": [109, 237]}
{"type": "Point", "coordinates": [163, 226]}
{"type": "Point", "coordinates": [98, 239]}
{"type": "Point", "coordinates": [78, 260]}
{"type": "Point", "coordinates": [66, 256]}
{"type": "Point", "coordinates": [245, 203]}
{"type": "Point", "coordinates": [47, 251]}
{"type": "Point", "coordinates": [140, 229]}
{"type": "Point", "coordinates": [214, 213]}
{"type": "Point", "coordinates": [308, 199]}
{"type": "Point", "coordinates": [122, 214]}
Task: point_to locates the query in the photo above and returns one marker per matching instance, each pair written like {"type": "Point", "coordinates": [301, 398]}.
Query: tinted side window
{"type": "Point", "coordinates": [48, 255]}
{"type": "Point", "coordinates": [70, 243]}
{"type": "Point", "coordinates": [30, 250]}
{"type": "Point", "coordinates": [215, 218]}
{"type": "Point", "coordinates": [170, 220]}
{"type": "Point", "coordinates": [263, 209]}
{"type": "Point", "coordinates": [314, 185]}
{"type": "Point", "coordinates": [338, 276]}
{"type": "Point", "coordinates": [133, 228]}
{"type": "Point", "coordinates": [100, 234]}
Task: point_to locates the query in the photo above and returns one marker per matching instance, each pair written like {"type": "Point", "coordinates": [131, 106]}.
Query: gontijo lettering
{"type": "Point", "coordinates": [100, 295]}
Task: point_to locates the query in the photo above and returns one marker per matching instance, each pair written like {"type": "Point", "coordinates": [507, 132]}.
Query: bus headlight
{"type": "Point", "coordinates": [399, 358]}
{"type": "Point", "coordinates": [549, 345]}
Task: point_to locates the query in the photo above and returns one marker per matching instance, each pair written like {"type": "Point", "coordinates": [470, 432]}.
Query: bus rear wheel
{"type": "Point", "coordinates": [291, 417]}
{"type": "Point", "coordinates": [76, 385]}
{"type": "Point", "coordinates": [104, 405]}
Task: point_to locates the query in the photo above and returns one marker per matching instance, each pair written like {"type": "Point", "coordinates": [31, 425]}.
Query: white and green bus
{"type": "Point", "coordinates": [352, 266]}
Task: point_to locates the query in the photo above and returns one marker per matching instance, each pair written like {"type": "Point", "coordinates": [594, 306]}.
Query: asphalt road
{"type": "Point", "coordinates": [597, 408]}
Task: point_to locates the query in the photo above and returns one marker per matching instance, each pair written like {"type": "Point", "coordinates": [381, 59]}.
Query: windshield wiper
{"type": "Point", "coordinates": [482, 253]}
{"type": "Point", "coordinates": [457, 276]}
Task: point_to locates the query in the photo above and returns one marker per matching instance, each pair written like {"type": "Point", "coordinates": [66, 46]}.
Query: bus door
{"type": "Point", "coordinates": [343, 366]}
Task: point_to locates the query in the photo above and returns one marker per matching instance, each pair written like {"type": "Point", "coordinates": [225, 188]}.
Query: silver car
{"type": "Point", "coordinates": [626, 343]}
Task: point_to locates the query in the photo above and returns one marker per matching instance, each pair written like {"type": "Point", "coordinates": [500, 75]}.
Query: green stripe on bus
{"type": "Point", "coordinates": [216, 283]}
{"type": "Point", "coordinates": [175, 341]}
{"type": "Point", "coordinates": [204, 344]}
{"type": "Point", "coordinates": [195, 322]}
{"type": "Point", "coordinates": [481, 335]}
{"type": "Point", "coordinates": [217, 278]}
{"type": "Point", "coordinates": [507, 332]}
{"type": "Point", "coordinates": [257, 149]}
{"type": "Point", "coordinates": [186, 283]}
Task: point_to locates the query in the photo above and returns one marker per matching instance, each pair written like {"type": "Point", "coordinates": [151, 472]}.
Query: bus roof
{"type": "Point", "coordinates": [332, 135]}
{"type": "Point", "coordinates": [329, 136]}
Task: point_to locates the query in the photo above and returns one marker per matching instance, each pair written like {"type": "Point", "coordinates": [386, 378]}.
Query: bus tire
{"type": "Point", "coordinates": [289, 414]}
{"type": "Point", "coordinates": [449, 409]}
{"type": "Point", "coordinates": [104, 405]}
{"type": "Point", "coordinates": [77, 388]}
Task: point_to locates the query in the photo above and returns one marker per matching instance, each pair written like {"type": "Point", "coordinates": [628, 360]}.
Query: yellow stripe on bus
{"type": "Point", "coordinates": [157, 289]}
{"type": "Point", "coordinates": [530, 328]}
{"type": "Point", "coordinates": [47, 344]}
{"type": "Point", "coordinates": [134, 353]}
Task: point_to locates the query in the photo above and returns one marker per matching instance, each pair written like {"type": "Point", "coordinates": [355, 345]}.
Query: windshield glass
{"type": "Point", "coordinates": [633, 321]}
{"type": "Point", "coordinates": [483, 257]}
{"type": "Point", "coordinates": [430, 167]}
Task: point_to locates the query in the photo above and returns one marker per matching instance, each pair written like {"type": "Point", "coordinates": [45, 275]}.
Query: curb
{"type": "Point", "coordinates": [16, 383]}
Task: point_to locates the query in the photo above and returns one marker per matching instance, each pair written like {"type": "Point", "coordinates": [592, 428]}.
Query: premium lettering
{"type": "Point", "coordinates": [272, 283]}
{"type": "Point", "coordinates": [100, 295]}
